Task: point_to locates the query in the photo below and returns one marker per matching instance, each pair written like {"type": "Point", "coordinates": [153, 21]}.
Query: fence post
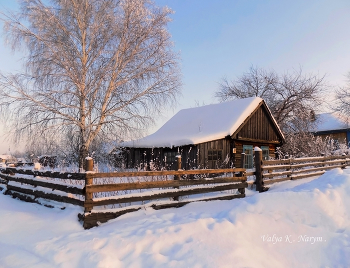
{"type": "Point", "coordinates": [177, 177]}
{"type": "Point", "coordinates": [241, 190]}
{"type": "Point", "coordinates": [258, 171]}
{"type": "Point", "coordinates": [289, 169]}
{"type": "Point", "coordinates": [343, 163]}
{"type": "Point", "coordinates": [242, 159]}
{"type": "Point", "coordinates": [89, 166]}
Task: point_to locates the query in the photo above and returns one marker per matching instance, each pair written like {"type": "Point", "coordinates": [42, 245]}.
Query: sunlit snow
{"type": "Point", "coordinates": [303, 223]}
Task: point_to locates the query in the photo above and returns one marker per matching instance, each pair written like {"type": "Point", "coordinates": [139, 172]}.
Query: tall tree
{"type": "Point", "coordinates": [288, 95]}
{"type": "Point", "coordinates": [342, 100]}
{"type": "Point", "coordinates": [99, 66]}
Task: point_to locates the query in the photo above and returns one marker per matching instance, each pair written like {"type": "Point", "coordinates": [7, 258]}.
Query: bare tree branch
{"type": "Point", "coordinates": [288, 95]}
{"type": "Point", "coordinates": [96, 66]}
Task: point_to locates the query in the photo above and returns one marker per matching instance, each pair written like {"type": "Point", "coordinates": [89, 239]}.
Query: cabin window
{"type": "Point", "coordinates": [169, 157]}
{"type": "Point", "coordinates": [248, 156]}
{"type": "Point", "coordinates": [214, 155]}
{"type": "Point", "coordinates": [265, 152]}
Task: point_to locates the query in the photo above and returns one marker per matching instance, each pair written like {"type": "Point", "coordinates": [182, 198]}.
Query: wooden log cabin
{"type": "Point", "coordinates": [210, 136]}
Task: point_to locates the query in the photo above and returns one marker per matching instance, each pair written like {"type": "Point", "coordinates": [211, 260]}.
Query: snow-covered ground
{"type": "Point", "coordinates": [303, 223]}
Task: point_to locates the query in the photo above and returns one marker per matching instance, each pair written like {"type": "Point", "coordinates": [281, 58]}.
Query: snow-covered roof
{"type": "Point", "coordinates": [331, 121]}
{"type": "Point", "coordinates": [200, 124]}
{"type": "Point", "coordinates": [6, 156]}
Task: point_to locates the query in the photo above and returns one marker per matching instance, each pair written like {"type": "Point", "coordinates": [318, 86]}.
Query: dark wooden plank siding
{"type": "Point", "coordinates": [222, 145]}
{"type": "Point", "coordinates": [259, 127]}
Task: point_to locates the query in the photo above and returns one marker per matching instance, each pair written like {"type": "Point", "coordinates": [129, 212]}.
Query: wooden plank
{"type": "Point", "coordinates": [316, 169]}
{"type": "Point", "coordinates": [41, 194]}
{"type": "Point", "coordinates": [276, 180]}
{"type": "Point", "coordinates": [314, 159]}
{"type": "Point", "coordinates": [180, 204]}
{"type": "Point", "coordinates": [320, 163]}
{"type": "Point", "coordinates": [301, 160]}
{"type": "Point", "coordinates": [94, 219]}
{"type": "Point", "coordinates": [163, 173]}
{"type": "Point", "coordinates": [51, 186]}
{"type": "Point", "coordinates": [49, 174]}
{"type": "Point", "coordinates": [336, 161]}
{"type": "Point", "coordinates": [258, 140]}
{"type": "Point", "coordinates": [308, 175]}
{"type": "Point", "coordinates": [157, 184]}
{"type": "Point", "coordinates": [166, 194]}
{"type": "Point", "coordinates": [308, 164]}
{"type": "Point", "coordinates": [275, 162]}
{"type": "Point", "coordinates": [250, 173]}
{"type": "Point", "coordinates": [276, 167]}
{"type": "Point", "coordinates": [275, 174]}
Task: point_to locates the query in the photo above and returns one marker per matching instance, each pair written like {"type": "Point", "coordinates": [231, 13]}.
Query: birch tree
{"type": "Point", "coordinates": [100, 67]}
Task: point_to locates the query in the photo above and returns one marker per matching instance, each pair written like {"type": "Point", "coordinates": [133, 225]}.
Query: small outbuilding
{"type": "Point", "coordinates": [335, 126]}
{"type": "Point", "coordinates": [210, 136]}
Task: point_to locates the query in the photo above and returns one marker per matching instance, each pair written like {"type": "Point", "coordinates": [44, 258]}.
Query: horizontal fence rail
{"type": "Point", "coordinates": [48, 174]}
{"type": "Point", "coordinates": [61, 187]}
{"type": "Point", "coordinates": [123, 192]}
{"type": "Point", "coordinates": [172, 186]}
{"type": "Point", "coordinates": [164, 173]}
{"type": "Point", "coordinates": [271, 171]}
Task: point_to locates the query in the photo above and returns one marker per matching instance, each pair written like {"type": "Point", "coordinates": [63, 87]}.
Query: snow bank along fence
{"type": "Point", "coordinates": [105, 196]}
{"type": "Point", "coordinates": [271, 171]}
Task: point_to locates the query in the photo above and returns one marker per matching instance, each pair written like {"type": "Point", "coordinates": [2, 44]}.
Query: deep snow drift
{"type": "Point", "coordinates": [303, 223]}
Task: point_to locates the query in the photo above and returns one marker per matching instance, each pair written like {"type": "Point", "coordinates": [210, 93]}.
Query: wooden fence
{"type": "Point", "coordinates": [271, 171]}
{"type": "Point", "coordinates": [101, 193]}
{"type": "Point", "coordinates": [56, 186]}
{"type": "Point", "coordinates": [129, 191]}
{"type": "Point", "coordinates": [170, 185]}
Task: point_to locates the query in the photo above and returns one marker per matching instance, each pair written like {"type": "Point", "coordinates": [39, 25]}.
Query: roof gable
{"type": "Point", "coordinates": [260, 126]}
{"type": "Point", "coordinates": [200, 124]}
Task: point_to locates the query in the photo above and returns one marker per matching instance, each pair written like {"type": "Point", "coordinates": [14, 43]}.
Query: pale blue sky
{"type": "Point", "coordinates": [223, 38]}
